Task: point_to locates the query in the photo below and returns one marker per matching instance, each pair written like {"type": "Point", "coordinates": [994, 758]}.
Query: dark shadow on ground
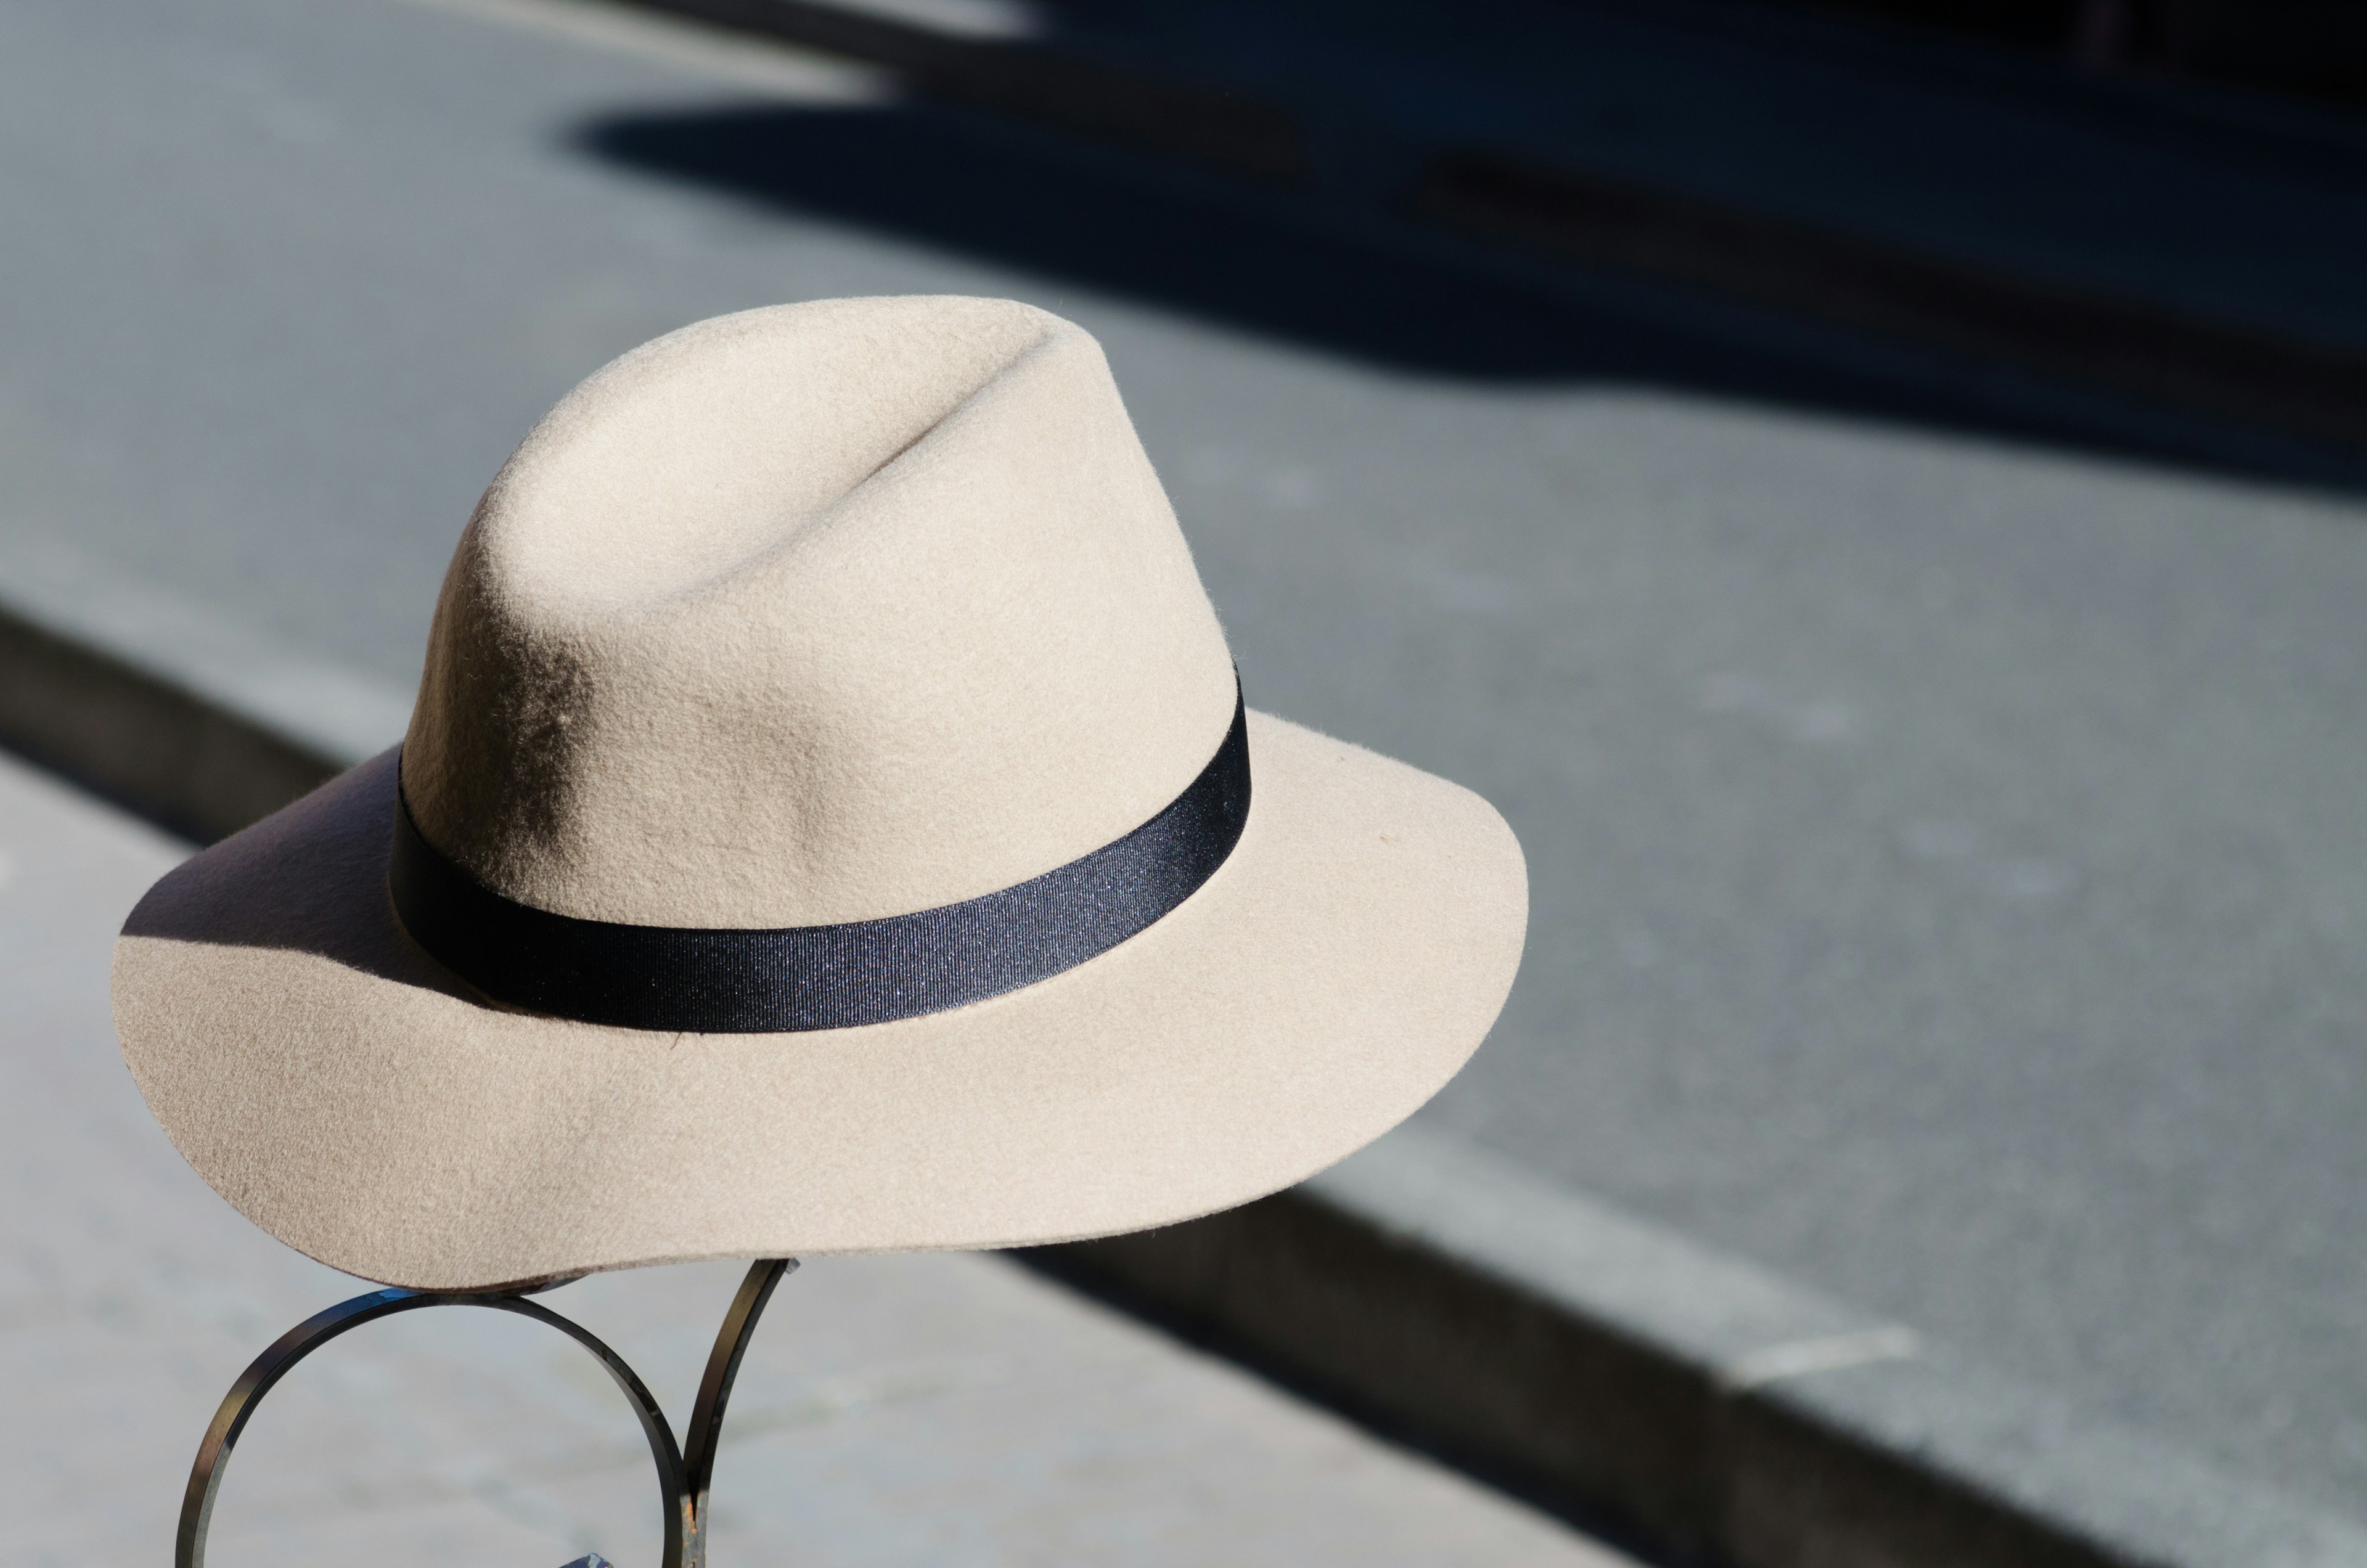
{"type": "Point", "coordinates": [1129, 227]}
{"type": "Point", "coordinates": [1279, 266]}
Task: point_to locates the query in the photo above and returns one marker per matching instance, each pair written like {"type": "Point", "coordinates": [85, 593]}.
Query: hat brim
{"type": "Point", "coordinates": [358, 1101]}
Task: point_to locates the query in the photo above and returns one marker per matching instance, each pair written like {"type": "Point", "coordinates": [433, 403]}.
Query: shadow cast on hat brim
{"type": "Point", "coordinates": [356, 1100]}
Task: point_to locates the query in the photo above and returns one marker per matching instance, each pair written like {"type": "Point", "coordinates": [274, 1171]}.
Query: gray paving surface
{"type": "Point", "coordinates": [892, 1410]}
{"type": "Point", "coordinates": [1949, 874]}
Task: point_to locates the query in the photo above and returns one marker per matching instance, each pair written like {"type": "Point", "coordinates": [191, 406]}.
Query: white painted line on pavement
{"type": "Point", "coordinates": [805, 76]}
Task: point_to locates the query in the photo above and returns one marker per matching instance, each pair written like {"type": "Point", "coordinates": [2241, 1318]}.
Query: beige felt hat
{"type": "Point", "coordinates": [829, 824]}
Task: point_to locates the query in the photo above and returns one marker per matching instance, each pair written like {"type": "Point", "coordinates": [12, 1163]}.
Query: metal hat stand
{"type": "Point", "coordinates": [684, 1471]}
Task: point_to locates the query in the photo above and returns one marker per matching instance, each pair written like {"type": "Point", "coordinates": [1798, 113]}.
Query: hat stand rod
{"type": "Point", "coordinates": [706, 1427]}
{"type": "Point", "coordinates": [684, 1489]}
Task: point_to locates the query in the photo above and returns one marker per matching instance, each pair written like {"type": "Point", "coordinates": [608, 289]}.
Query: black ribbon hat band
{"type": "Point", "coordinates": [837, 976]}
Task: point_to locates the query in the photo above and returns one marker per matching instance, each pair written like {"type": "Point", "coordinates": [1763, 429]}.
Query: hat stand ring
{"type": "Point", "coordinates": [684, 1471]}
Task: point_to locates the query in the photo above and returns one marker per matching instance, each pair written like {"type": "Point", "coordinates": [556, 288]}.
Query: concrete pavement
{"type": "Point", "coordinates": [1946, 866]}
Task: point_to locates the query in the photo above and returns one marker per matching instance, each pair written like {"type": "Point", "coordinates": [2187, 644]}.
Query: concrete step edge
{"type": "Point", "coordinates": [1700, 1403]}
{"type": "Point", "coordinates": [194, 722]}
{"type": "Point", "coordinates": [1720, 1412]}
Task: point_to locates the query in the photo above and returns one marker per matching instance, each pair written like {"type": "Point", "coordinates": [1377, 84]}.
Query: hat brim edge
{"type": "Point", "coordinates": [362, 1105]}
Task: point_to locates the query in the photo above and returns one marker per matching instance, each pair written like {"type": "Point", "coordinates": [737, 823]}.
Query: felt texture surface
{"type": "Point", "coordinates": [357, 1101]}
{"type": "Point", "coordinates": [815, 614]}
{"type": "Point", "coordinates": [812, 615]}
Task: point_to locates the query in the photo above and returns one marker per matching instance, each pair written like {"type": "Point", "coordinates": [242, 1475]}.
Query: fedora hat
{"type": "Point", "coordinates": [830, 823]}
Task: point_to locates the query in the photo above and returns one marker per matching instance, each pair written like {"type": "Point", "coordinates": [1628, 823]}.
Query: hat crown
{"type": "Point", "coordinates": [815, 614]}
